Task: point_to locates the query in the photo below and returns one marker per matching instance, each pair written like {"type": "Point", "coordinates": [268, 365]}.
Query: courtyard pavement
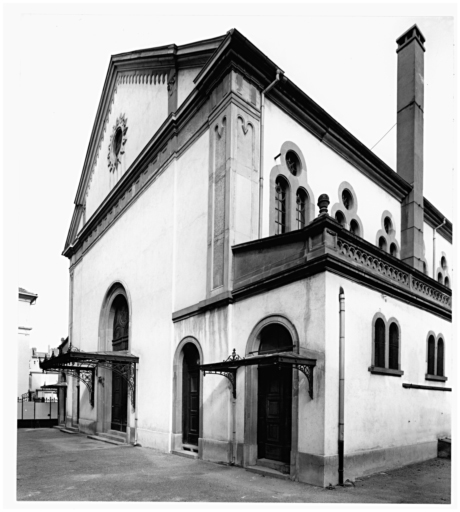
{"type": "Point", "coordinates": [54, 466]}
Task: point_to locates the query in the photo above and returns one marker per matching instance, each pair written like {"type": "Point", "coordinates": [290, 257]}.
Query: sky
{"type": "Point", "coordinates": [56, 59]}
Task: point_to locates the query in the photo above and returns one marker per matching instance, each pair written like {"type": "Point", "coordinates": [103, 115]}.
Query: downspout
{"type": "Point", "coordinates": [137, 404]}
{"type": "Point", "coordinates": [279, 74]}
{"type": "Point", "coordinates": [234, 430]}
{"type": "Point", "coordinates": [434, 246]}
{"type": "Point", "coordinates": [341, 381]}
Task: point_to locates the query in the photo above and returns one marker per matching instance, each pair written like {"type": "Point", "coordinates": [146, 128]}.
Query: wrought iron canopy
{"type": "Point", "coordinates": [83, 365]}
{"type": "Point", "coordinates": [229, 367]}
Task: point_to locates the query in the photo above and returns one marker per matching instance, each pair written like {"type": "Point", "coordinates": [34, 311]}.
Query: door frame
{"type": "Point", "coordinates": [103, 381]}
{"type": "Point", "coordinates": [251, 395]}
{"type": "Point", "coordinates": [177, 426]}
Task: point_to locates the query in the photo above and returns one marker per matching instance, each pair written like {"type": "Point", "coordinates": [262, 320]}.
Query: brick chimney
{"type": "Point", "coordinates": [409, 163]}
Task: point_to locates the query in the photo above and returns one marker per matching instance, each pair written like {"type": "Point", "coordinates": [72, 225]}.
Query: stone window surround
{"type": "Point", "coordinates": [390, 237]}
{"type": "Point", "coordinates": [294, 183]}
{"type": "Point", "coordinates": [377, 370]}
{"type": "Point", "coordinates": [436, 377]}
{"type": "Point", "coordinates": [443, 271]}
{"type": "Point", "coordinates": [351, 213]}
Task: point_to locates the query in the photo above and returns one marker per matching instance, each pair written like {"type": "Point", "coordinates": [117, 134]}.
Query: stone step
{"type": "Point", "coordinates": [282, 467]}
{"type": "Point", "coordinates": [69, 430]}
{"type": "Point", "coordinates": [183, 453]}
{"type": "Point", "coordinates": [262, 470]}
{"type": "Point", "coordinates": [106, 439]}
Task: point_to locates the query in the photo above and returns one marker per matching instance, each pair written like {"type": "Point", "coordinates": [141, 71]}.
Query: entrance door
{"type": "Point", "coordinates": [120, 341]}
{"type": "Point", "coordinates": [274, 398]}
{"type": "Point", "coordinates": [274, 413]}
{"type": "Point", "coordinates": [119, 402]}
{"type": "Point", "coordinates": [190, 395]}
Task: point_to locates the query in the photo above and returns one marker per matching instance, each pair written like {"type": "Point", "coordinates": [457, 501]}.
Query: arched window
{"type": "Point", "coordinates": [281, 205]}
{"type": "Point", "coordinates": [431, 351]}
{"type": "Point", "coordinates": [440, 359]}
{"type": "Point", "coordinates": [354, 227]}
{"type": "Point", "coordinates": [446, 282]}
{"type": "Point", "coordinates": [440, 278]}
{"type": "Point", "coordinates": [120, 324]}
{"type": "Point", "coordinates": [301, 208]}
{"type": "Point", "coordinates": [340, 217]}
{"type": "Point", "coordinates": [379, 343]}
{"type": "Point", "coordinates": [387, 225]}
{"type": "Point", "coordinates": [382, 243]}
{"type": "Point", "coordinates": [393, 250]}
{"type": "Point", "coordinates": [394, 347]}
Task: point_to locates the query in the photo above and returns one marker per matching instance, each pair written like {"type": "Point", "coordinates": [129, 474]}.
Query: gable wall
{"type": "Point", "coordinates": [185, 83]}
{"type": "Point", "coordinates": [145, 105]}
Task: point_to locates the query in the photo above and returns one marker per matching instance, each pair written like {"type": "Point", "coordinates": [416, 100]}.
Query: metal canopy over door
{"type": "Point", "coordinates": [190, 395]}
{"type": "Point", "coordinates": [119, 384]}
{"type": "Point", "coordinates": [274, 407]}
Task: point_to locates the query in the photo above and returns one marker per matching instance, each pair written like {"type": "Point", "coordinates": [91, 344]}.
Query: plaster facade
{"type": "Point", "coordinates": [176, 235]}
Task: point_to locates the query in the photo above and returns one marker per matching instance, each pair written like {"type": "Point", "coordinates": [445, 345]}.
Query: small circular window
{"type": "Point", "coordinates": [117, 140]}
{"type": "Point", "coordinates": [388, 225]}
{"type": "Point", "coordinates": [347, 199]}
{"type": "Point", "coordinates": [293, 162]}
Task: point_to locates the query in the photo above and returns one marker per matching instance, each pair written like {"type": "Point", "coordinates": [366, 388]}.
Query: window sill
{"type": "Point", "coordinates": [377, 370]}
{"type": "Point", "coordinates": [435, 377]}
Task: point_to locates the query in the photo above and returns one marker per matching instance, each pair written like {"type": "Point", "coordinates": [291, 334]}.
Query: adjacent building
{"type": "Point", "coordinates": [26, 300]}
{"type": "Point", "coordinates": [249, 283]}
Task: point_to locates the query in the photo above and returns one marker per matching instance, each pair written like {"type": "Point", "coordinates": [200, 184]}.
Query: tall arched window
{"type": "Point", "coordinates": [281, 205]}
{"type": "Point", "coordinates": [431, 351]}
{"type": "Point", "coordinates": [394, 347]}
{"type": "Point", "coordinates": [379, 343]}
{"type": "Point", "coordinates": [301, 208]}
{"type": "Point", "coordinates": [440, 358]}
{"type": "Point", "coordinates": [120, 324]}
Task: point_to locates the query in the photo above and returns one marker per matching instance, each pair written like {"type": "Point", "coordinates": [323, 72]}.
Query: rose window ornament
{"type": "Point", "coordinates": [117, 142]}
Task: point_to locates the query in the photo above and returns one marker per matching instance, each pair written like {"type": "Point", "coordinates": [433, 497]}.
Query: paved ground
{"type": "Point", "coordinates": [54, 466]}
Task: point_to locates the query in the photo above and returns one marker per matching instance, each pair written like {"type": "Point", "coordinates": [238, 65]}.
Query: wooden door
{"type": "Point", "coordinates": [274, 413]}
{"type": "Point", "coordinates": [119, 402]}
{"type": "Point", "coordinates": [190, 395]}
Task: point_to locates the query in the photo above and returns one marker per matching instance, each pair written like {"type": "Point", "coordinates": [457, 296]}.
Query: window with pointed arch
{"type": "Point", "coordinates": [281, 205]}
{"type": "Point", "coordinates": [386, 347]}
{"type": "Point", "coordinates": [435, 358]}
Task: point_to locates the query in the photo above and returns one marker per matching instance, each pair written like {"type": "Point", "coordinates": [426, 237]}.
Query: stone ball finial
{"type": "Point", "coordinates": [323, 203]}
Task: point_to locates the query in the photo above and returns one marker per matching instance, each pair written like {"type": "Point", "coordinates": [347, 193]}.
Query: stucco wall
{"type": "Point", "coordinates": [379, 412]}
{"type": "Point", "coordinates": [326, 170]}
{"type": "Point", "coordinates": [442, 246]}
{"type": "Point", "coordinates": [185, 83]}
{"type": "Point", "coordinates": [137, 252]}
{"type": "Point", "coordinates": [191, 224]}
{"type": "Point", "coordinates": [23, 362]}
{"type": "Point", "coordinates": [145, 106]}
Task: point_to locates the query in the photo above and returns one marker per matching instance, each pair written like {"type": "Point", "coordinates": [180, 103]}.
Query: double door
{"type": "Point", "coordinates": [274, 413]}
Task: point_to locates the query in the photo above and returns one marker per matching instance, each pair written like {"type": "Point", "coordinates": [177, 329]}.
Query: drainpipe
{"type": "Point", "coordinates": [341, 381]}
{"type": "Point", "coordinates": [279, 74]}
{"type": "Point", "coordinates": [234, 430]}
{"type": "Point", "coordinates": [434, 246]}
{"type": "Point", "coordinates": [137, 404]}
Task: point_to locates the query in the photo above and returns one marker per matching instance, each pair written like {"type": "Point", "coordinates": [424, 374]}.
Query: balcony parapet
{"type": "Point", "coordinates": [324, 245]}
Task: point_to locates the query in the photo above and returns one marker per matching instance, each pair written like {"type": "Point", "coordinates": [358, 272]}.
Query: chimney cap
{"type": "Point", "coordinates": [409, 35]}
